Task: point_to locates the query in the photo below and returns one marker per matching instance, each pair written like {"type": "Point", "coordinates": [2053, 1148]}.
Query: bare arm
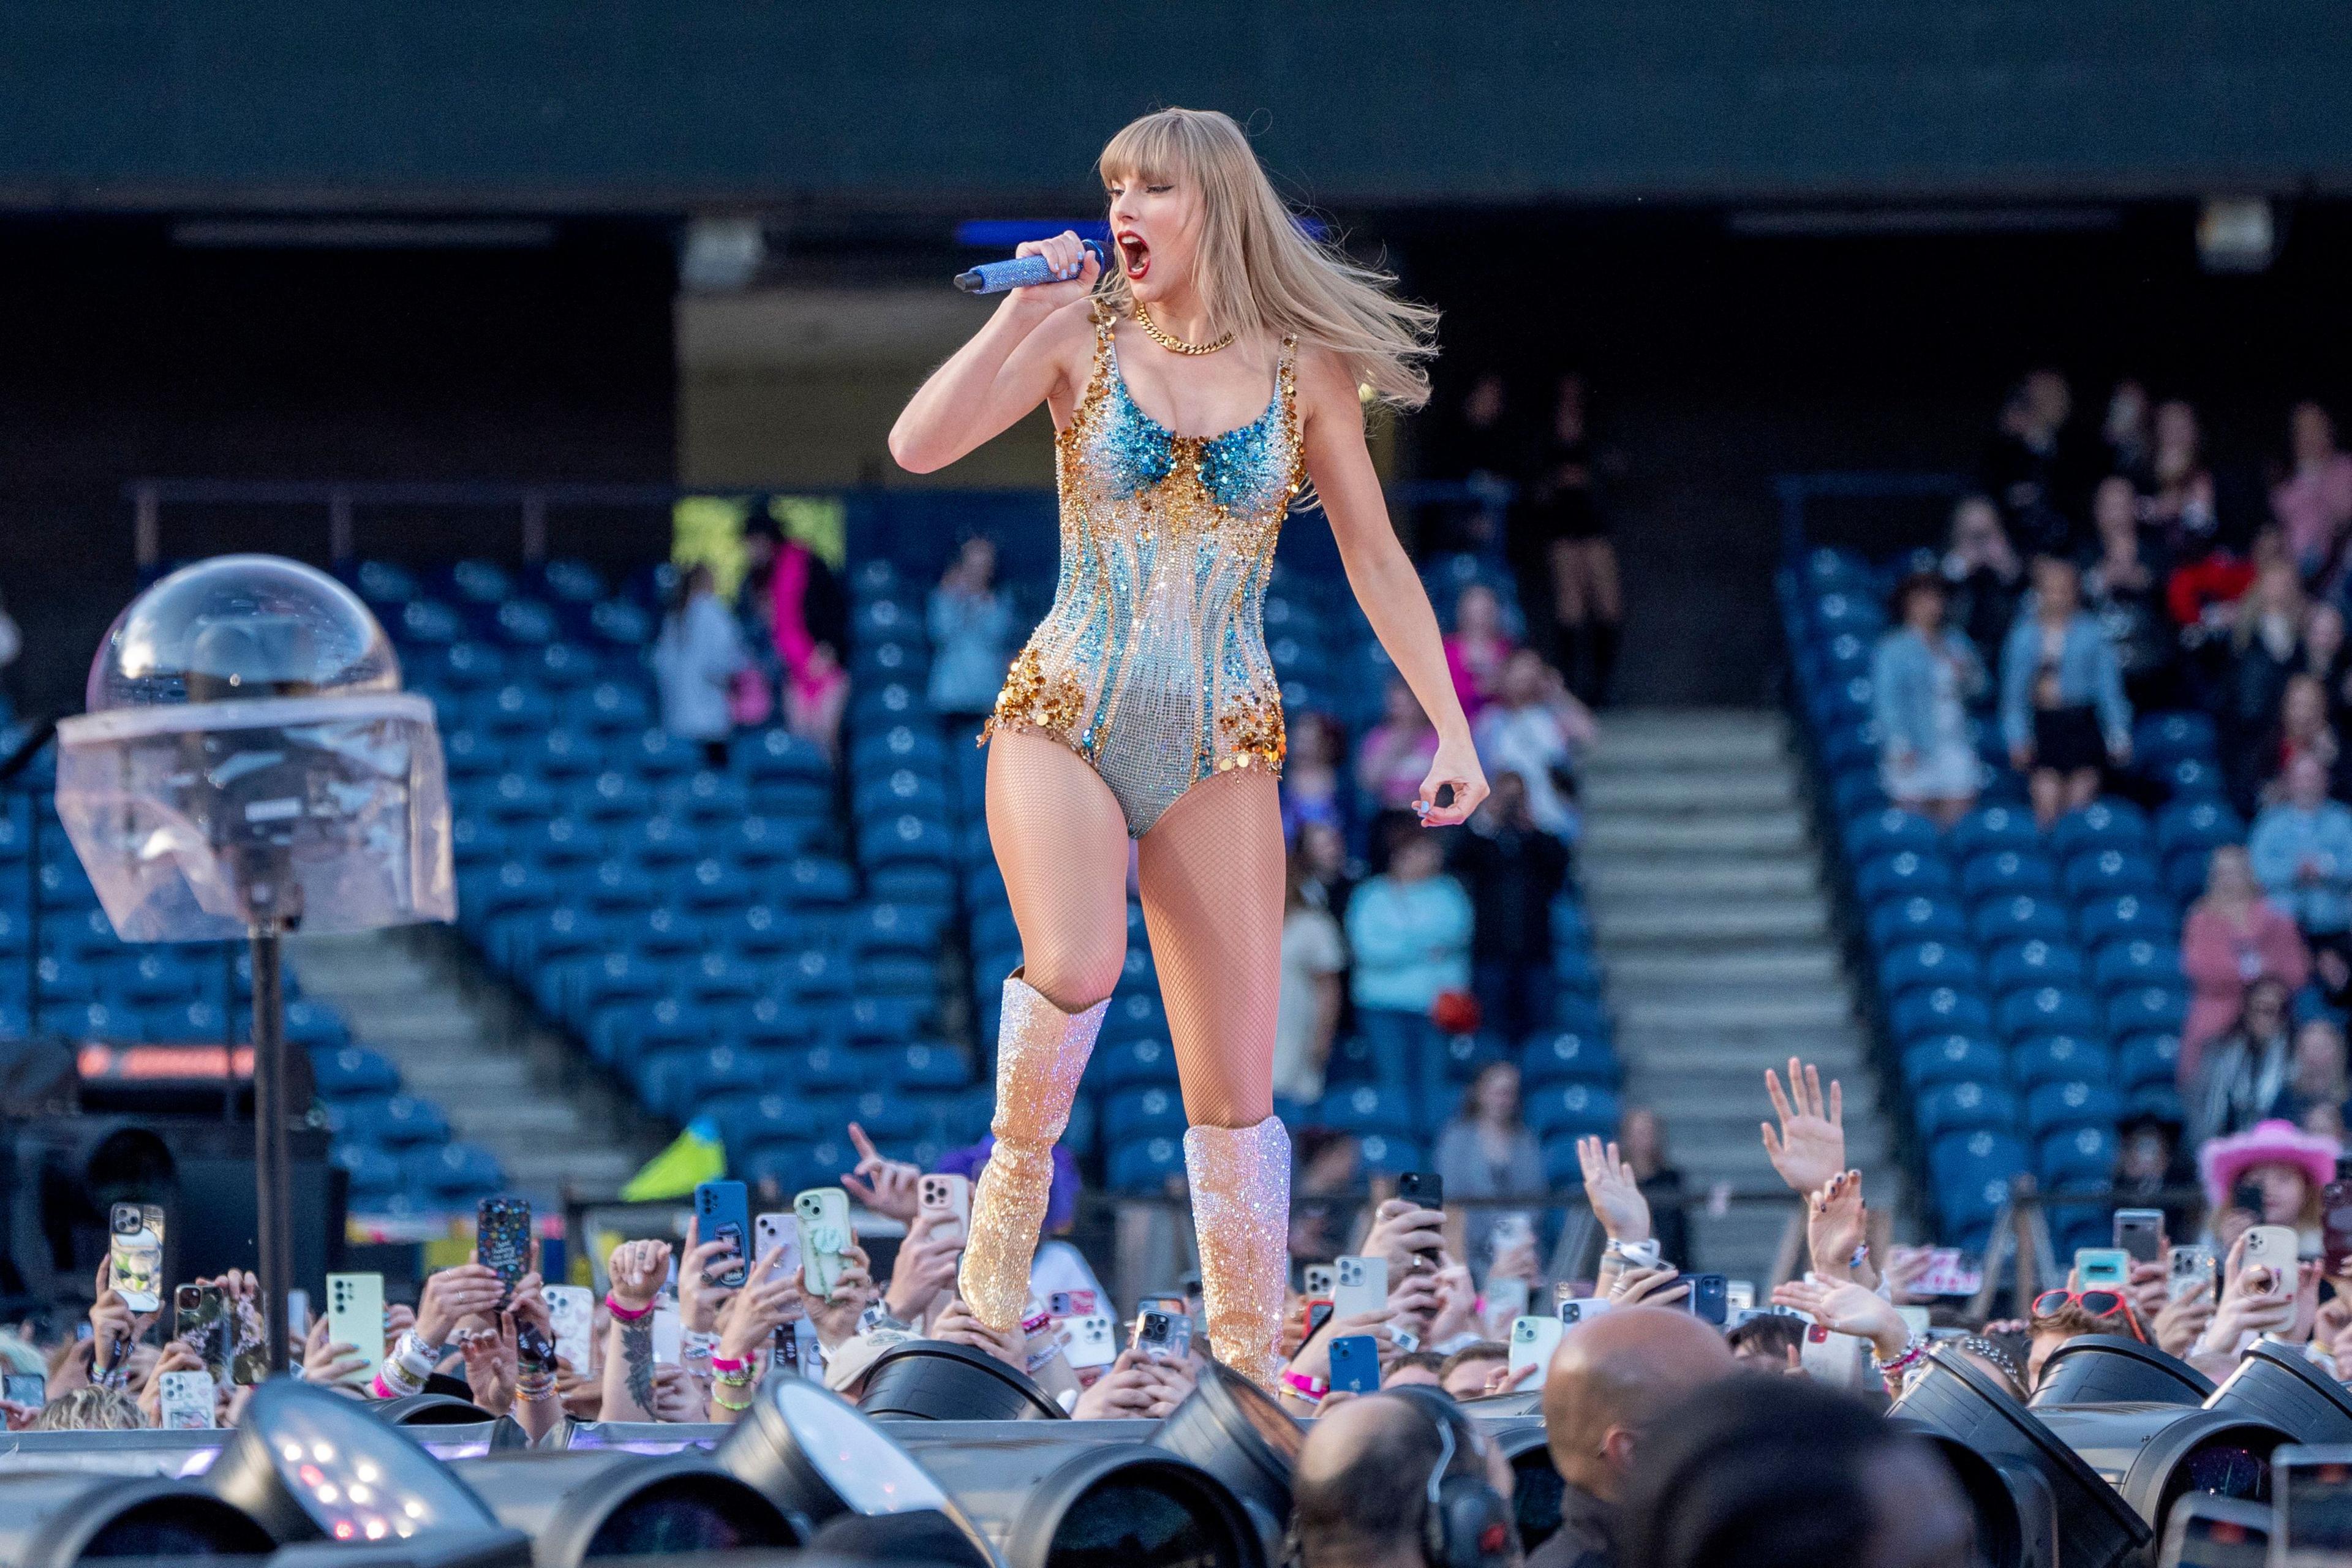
{"type": "Point", "coordinates": [1032, 350]}
{"type": "Point", "coordinates": [1382, 577]}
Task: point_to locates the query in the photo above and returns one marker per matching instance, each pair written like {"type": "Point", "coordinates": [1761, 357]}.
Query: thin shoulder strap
{"type": "Point", "coordinates": [1105, 318]}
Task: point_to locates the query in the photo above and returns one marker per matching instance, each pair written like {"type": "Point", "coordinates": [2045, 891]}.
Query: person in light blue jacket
{"type": "Point", "coordinates": [1409, 928]}
{"type": "Point", "coordinates": [1921, 676]}
{"type": "Point", "coordinates": [2062, 709]}
{"type": "Point", "coordinates": [2302, 852]}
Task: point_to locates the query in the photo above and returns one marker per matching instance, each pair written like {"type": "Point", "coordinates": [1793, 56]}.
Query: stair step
{"type": "Point", "coordinates": [1740, 791]}
{"type": "Point", "coordinates": [1766, 1010]}
{"type": "Point", "coordinates": [1771, 923]}
{"type": "Point", "coordinates": [1756, 834]}
{"type": "Point", "coordinates": [1621, 750]}
{"type": "Point", "coordinates": [1636, 973]}
{"type": "Point", "coordinates": [1611, 880]}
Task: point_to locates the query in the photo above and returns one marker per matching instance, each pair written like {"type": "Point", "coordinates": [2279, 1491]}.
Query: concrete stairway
{"type": "Point", "coordinates": [418, 996]}
{"type": "Point", "coordinates": [1713, 932]}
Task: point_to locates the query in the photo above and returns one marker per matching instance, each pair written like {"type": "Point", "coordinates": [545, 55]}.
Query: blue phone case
{"type": "Point", "coordinates": [1356, 1364]}
{"type": "Point", "coordinates": [724, 1211]}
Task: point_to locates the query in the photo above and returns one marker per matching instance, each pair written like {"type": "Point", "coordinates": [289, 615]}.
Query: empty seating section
{"type": "Point", "coordinates": [2031, 982]}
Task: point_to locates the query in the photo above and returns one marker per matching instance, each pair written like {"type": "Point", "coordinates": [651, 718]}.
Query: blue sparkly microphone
{"type": "Point", "coordinates": [1021, 272]}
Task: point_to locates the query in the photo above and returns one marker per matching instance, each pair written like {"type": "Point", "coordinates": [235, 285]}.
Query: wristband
{"type": "Point", "coordinates": [1304, 1386]}
{"type": "Point", "coordinates": [1914, 1350]}
{"type": "Point", "coordinates": [695, 1345]}
{"type": "Point", "coordinates": [534, 1390]}
{"type": "Point", "coordinates": [726, 1404]}
{"type": "Point", "coordinates": [1638, 1254]}
{"type": "Point", "coordinates": [624, 1314]}
{"type": "Point", "coordinates": [726, 1363]}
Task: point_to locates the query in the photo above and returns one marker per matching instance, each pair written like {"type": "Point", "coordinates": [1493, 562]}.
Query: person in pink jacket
{"type": "Point", "coordinates": [2233, 937]}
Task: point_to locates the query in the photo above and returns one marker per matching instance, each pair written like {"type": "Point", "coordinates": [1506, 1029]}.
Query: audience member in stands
{"type": "Point", "coordinates": [2316, 1087]}
{"type": "Point", "coordinates": [1409, 928]}
{"type": "Point", "coordinates": [2149, 1162]}
{"type": "Point", "coordinates": [2125, 590]}
{"type": "Point", "coordinates": [696, 659]}
{"type": "Point", "coordinates": [814, 697]}
{"type": "Point", "coordinates": [2062, 709]}
{"type": "Point", "coordinates": [2233, 937]}
{"type": "Point", "coordinates": [1535, 729]}
{"type": "Point", "coordinates": [1395, 757]}
{"type": "Point", "coordinates": [1562, 525]}
{"type": "Point", "coordinates": [792, 594]}
{"type": "Point", "coordinates": [2301, 850]}
{"type": "Point", "coordinates": [1327, 877]}
{"type": "Point", "coordinates": [1479, 447]}
{"type": "Point", "coordinates": [1641, 1136]}
{"type": "Point", "coordinates": [2182, 505]}
{"type": "Point", "coordinates": [1923, 675]}
{"type": "Point", "coordinates": [2243, 1075]}
{"type": "Point", "coordinates": [1770, 1343]}
{"type": "Point", "coordinates": [1478, 647]}
{"type": "Point", "coordinates": [1313, 789]}
{"type": "Point", "coordinates": [1352, 1505]}
{"type": "Point", "coordinates": [2314, 503]}
{"type": "Point", "coordinates": [1307, 1016]}
{"type": "Point", "coordinates": [2326, 658]}
{"type": "Point", "coordinates": [1512, 870]}
{"type": "Point", "coordinates": [1983, 571]}
{"type": "Point", "coordinates": [2303, 727]}
{"type": "Point", "coordinates": [970, 622]}
{"type": "Point", "coordinates": [2022, 462]}
{"type": "Point", "coordinates": [1612, 1381]}
{"type": "Point", "coordinates": [1486, 1150]}
{"type": "Point", "coordinates": [2130, 443]}
{"type": "Point", "coordinates": [2265, 646]}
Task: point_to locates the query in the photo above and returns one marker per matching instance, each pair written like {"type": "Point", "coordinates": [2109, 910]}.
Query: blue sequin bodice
{"type": "Point", "coordinates": [1151, 663]}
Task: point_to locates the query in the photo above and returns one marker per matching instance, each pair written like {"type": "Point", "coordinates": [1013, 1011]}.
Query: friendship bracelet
{"type": "Point", "coordinates": [1305, 1385]}
{"type": "Point", "coordinates": [726, 1364]}
{"type": "Point", "coordinates": [728, 1404]}
{"type": "Point", "coordinates": [695, 1345]}
{"type": "Point", "coordinates": [535, 1390]}
{"type": "Point", "coordinates": [624, 1314]}
{"type": "Point", "coordinates": [1914, 1349]}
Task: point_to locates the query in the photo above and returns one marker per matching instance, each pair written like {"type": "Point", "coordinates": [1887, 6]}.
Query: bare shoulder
{"type": "Point", "coordinates": [1324, 385]}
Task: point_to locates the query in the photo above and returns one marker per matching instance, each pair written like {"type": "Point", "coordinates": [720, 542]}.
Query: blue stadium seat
{"type": "Point", "coordinates": [818, 972]}
{"type": "Point", "coordinates": [619, 624]}
{"type": "Point", "coordinates": [2075, 1102]}
{"type": "Point", "coordinates": [656, 753]}
{"type": "Point", "coordinates": [374, 1173]}
{"type": "Point", "coordinates": [1971, 1174]}
{"type": "Point", "coordinates": [898, 745]}
{"type": "Point", "coordinates": [2147, 1009]}
{"type": "Point", "coordinates": [2197, 825]}
{"type": "Point", "coordinates": [470, 753]}
{"type": "Point", "coordinates": [1561, 1109]}
{"type": "Point", "coordinates": [662, 932]}
{"type": "Point", "coordinates": [823, 1068]}
{"type": "Point", "coordinates": [759, 841]}
{"type": "Point", "coordinates": [1891, 832]}
{"type": "Point", "coordinates": [2025, 965]}
{"type": "Point", "coordinates": [707, 799]}
{"type": "Point", "coordinates": [352, 1070]}
{"type": "Point", "coordinates": [719, 979]}
{"type": "Point", "coordinates": [1568, 1056]}
{"type": "Point", "coordinates": [1385, 1154]}
{"type": "Point", "coordinates": [515, 797]}
{"type": "Point", "coordinates": [560, 666]}
{"type": "Point", "coordinates": [608, 709]}
{"type": "Point", "coordinates": [676, 1083]}
{"type": "Point", "coordinates": [2077, 1157]}
{"type": "Point", "coordinates": [516, 710]}
{"type": "Point", "coordinates": [1917, 920]}
{"type": "Point", "coordinates": [662, 841]}
{"type": "Point", "coordinates": [2104, 873]}
{"type": "Point", "coordinates": [2162, 737]}
{"type": "Point", "coordinates": [2060, 1058]}
{"type": "Point", "coordinates": [562, 754]}
{"type": "Point", "coordinates": [1135, 1014]}
{"type": "Point", "coordinates": [1966, 1108]}
{"type": "Point", "coordinates": [765, 1023]}
{"type": "Point", "coordinates": [559, 841]}
{"type": "Point", "coordinates": [908, 836]}
{"type": "Point", "coordinates": [1147, 1166]}
{"type": "Point", "coordinates": [750, 1120]}
{"type": "Point", "coordinates": [511, 886]}
{"type": "Point", "coordinates": [1942, 1010]}
{"type": "Point", "coordinates": [1927, 964]}
{"type": "Point", "coordinates": [178, 1023]}
{"type": "Point", "coordinates": [1951, 1059]}
{"type": "Point", "coordinates": [2137, 962]}
{"type": "Point", "coordinates": [1992, 829]}
{"type": "Point", "coordinates": [613, 796]}
{"type": "Point", "coordinates": [1902, 874]}
{"type": "Point", "coordinates": [2144, 1061]}
{"type": "Point", "coordinates": [2191, 779]}
{"type": "Point", "coordinates": [2005, 873]}
{"type": "Point", "coordinates": [453, 1171]}
{"type": "Point", "coordinates": [1362, 1109]}
{"type": "Point", "coordinates": [2023, 918]}
{"type": "Point", "coordinates": [1123, 1064]}
{"type": "Point", "coordinates": [885, 928]}
{"type": "Point", "coordinates": [758, 932]}
{"type": "Point", "coordinates": [396, 1122]}
{"type": "Point", "coordinates": [2101, 824]}
{"type": "Point", "coordinates": [716, 887]}
{"type": "Point", "coordinates": [778, 753]}
{"type": "Point", "coordinates": [2049, 1010]}
{"type": "Point", "coordinates": [926, 1065]}
{"type": "Point", "coordinates": [620, 887]}
{"type": "Point", "coordinates": [1147, 1112]}
{"type": "Point", "coordinates": [810, 881]}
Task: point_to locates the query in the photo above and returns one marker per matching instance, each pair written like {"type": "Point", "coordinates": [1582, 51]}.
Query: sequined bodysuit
{"type": "Point", "coordinates": [1151, 663]}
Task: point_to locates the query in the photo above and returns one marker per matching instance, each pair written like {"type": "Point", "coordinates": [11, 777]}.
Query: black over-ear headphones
{"type": "Point", "coordinates": [1466, 1524]}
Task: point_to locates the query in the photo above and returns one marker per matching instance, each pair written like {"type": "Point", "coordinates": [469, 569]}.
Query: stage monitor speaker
{"type": "Point", "coordinates": [2272, 1383]}
{"type": "Point", "coordinates": [2110, 1369]}
{"type": "Point", "coordinates": [578, 1506]}
{"type": "Point", "coordinates": [53, 1519]}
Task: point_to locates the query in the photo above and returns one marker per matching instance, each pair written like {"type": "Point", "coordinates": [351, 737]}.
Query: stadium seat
{"type": "Point", "coordinates": [2101, 824]}
{"type": "Point", "coordinates": [453, 1171]}
{"type": "Point", "coordinates": [1971, 1173]}
{"type": "Point", "coordinates": [2104, 873]}
{"type": "Point", "coordinates": [1993, 829]}
{"type": "Point", "coordinates": [1147, 1166]}
{"type": "Point", "coordinates": [2023, 918]}
{"type": "Point", "coordinates": [2146, 1061]}
{"type": "Point", "coordinates": [2006, 873]}
{"type": "Point", "coordinates": [1567, 1056]}
{"type": "Point", "coordinates": [1966, 1108]}
{"type": "Point", "coordinates": [2028, 965]}
{"type": "Point", "coordinates": [2059, 1059]}
{"type": "Point", "coordinates": [2137, 962]}
{"type": "Point", "coordinates": [1928, 965]}
{"type": "Point", "coordinates": [1902, 874]}
{"type": "Point", "coordinates": [2077, 1157]}
{"type": "Point", "coordinates": [1565, 1108]}
{"type": "Point", "coordinates": [1363, 1108]}
{"type": "Point", "coordinates": [1922, 1014]}
{"type": "Point", "coordinates": [1891, 832]}
{"type": "Point", "coordinates": [1952, 1058]}
{"type": "Point", "coordinates": [2049, 1010]}
{"type": "Point", "coordinates": [1150, 1111]}
{"type": "Point", "coordinates": [2070, 1103]}
{"type": "Point", "coordinates": [2147, 1009]}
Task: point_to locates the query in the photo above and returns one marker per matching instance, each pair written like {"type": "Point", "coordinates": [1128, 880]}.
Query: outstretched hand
{"type": "Point", "coordinates": [1613, 1191]}
{"type": "Point", "coordinates": [1455, 765]}
{"type": "Point", "coordinates": [886, 1187]}
{"type": "Point", "coordinates": [1809, 1146]}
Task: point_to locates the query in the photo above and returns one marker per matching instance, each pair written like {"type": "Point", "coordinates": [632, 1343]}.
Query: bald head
{"type": "Point", "coordinates": [1613, 1376]}
{"type": "Point", "coordinates": [1349, 1510]}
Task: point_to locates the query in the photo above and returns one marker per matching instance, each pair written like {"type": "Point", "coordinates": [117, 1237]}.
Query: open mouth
{"type": "Point", "coordinates": [1135, 255]}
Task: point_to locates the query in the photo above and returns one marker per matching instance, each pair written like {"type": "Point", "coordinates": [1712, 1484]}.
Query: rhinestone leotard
{"type": "Point", "coordinates": [1151, 663]}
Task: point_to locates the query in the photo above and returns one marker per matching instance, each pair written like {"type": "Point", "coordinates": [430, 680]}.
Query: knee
{"type": "Point", "coordinates": [1075, 973]}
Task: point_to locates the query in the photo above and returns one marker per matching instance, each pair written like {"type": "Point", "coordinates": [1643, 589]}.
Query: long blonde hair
{"type": "Point", "coordinates": [1259, 270]}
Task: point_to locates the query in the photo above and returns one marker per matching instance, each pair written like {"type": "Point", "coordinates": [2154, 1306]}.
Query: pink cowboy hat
{"type": "Point", "coordinates": [2224, 1159]}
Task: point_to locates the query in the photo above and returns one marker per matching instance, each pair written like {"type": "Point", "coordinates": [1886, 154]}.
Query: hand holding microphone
{"type": "Point", "coordinates": [1055, 270]}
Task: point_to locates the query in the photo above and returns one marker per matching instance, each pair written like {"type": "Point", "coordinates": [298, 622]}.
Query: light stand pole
{"type": "Point", "coordinates": [272, 1155]}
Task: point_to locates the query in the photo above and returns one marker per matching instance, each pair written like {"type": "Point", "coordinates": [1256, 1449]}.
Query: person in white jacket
{"type": "Point", "coordinates": [698, 656]}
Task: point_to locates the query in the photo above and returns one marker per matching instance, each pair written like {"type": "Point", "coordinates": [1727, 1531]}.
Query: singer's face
{"type": "Point", "coordinates": [1155, 221]}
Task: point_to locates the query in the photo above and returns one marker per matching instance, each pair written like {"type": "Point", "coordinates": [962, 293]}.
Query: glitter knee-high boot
{"type": "Point", "coordinates": [1040, 1052]}
{"type": "Point", "coordinates": [1241, 1212]}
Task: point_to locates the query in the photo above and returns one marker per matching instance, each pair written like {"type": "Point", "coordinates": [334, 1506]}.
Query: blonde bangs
{"type": "Point", "coordinates": [1259, 270]}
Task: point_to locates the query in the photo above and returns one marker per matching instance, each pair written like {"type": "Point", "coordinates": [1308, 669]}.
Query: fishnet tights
{"type": "Point", "coordinates": [1209, 871]}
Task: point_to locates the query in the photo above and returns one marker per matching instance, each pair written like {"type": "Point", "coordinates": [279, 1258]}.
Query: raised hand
{"type": "Point", "coordinates": [1648, 1288]}
{"type": "Point", "coordinates": [766, 1302]}
{"type": "Point", "coordinates": [638, 1270]}
{"type": "Point", "coordinates": [1128, 1389]}
{"type": "Point", "coordinates": [926, 1268]}
{"type": "Point", "coordinates": [1074, 271]}
{"type": "Point", "coordinates": [958, 1326]}
{"type": "Point", "coordinates": [324, 1360]}
{"type": "Point", "coordinates": [1611, 1188]}
{"type": "Point", "coordinates": [1403, 1232]}
{"type": "Point", "coordinates": [1837, 1227]}
{"type": "Point", "coordinates": [1809, 1146]}
{"type": "Point", "coordinates": [698, 1301]}
{"type": "Point", "coordinates": [469, 1289]}
{"type": "Point", "coordinates": [886, 1187]}
{"type": "Point", "coordinates": [1848, 1308]}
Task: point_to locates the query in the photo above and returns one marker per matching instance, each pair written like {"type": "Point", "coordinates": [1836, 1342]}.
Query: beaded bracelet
{"type": "Point", "coordinates": [726, 1364]}
{"type": "Point", "coordinates": [1305, 1385]}
{"type": "Point", "coordinates": [533, 1390]}
{"type": "Point", "coordinates": [695, 1345]}
{"type": "Point", "coordinates": [1914, 1349]}
{"type": "Point", "coordinates": [725, 1404]}
{"type": "Point", "coordinates": [624, 1314]}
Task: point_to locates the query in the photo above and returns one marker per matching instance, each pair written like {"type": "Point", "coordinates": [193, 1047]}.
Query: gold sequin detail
{"type": "Point", "coordinates": [1032, 699]}
{"type": "Point", "coordinates": [1253, 731]}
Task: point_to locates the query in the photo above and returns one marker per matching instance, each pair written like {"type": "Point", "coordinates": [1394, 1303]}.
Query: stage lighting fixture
{"type": "Point", "coordinates": [577, 1507]}
{"type": "Point", "coordinates": [816, 1455]}
{"type": "Point", "coordinates": [2155, 1455]}
{"type": "Point", "coordinates": [1520, 1402]}
{"type": "Point", "coordinates": [1229, 1427]}
{"type": "Point", "coordinates": [51, 1519]}
{"type": "Point", "coordinates": [2105, 1369]}
{"type": "Point", "coordinates": [2042, 1505]}
{"type": "Point", "coordinates": [441, 1549]}
{"type": "Point", "coordinates": [2272, 1383]}
{"type": "Point", "coordinates": [308, 1465]}
{"type": "Point", "coordinates": [1063, 1500]}
{"type": "Point", "coordinates": [931, 1380]}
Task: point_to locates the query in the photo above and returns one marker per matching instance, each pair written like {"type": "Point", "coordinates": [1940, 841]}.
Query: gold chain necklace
{"type": "Point", "coordinates": [1168, 340]}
